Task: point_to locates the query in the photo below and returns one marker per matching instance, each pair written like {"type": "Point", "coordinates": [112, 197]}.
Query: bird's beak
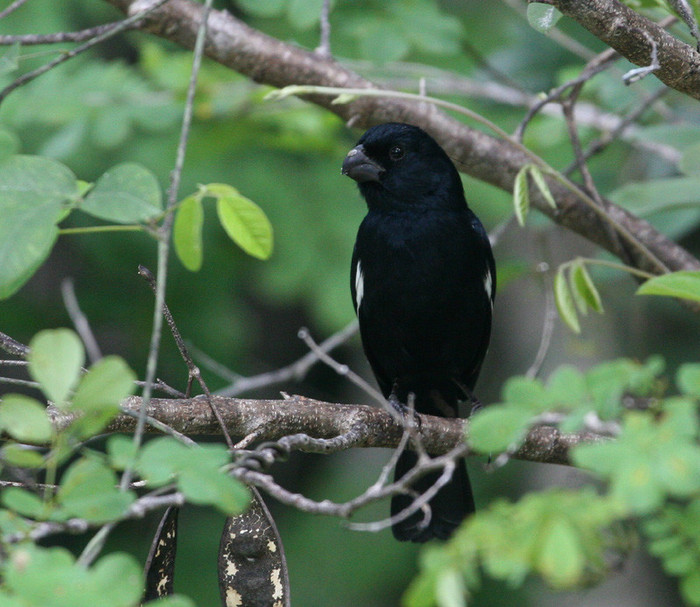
{"type": "Point", "coordinates": [358, 166]}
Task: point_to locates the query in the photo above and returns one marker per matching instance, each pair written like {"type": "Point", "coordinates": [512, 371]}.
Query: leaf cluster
{"type": "Point", "coordinates": [650, 466]}
{"type": "Point", "coordinates": [89, 488]}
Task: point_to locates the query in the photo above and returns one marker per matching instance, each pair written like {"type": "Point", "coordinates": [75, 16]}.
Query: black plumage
{"type": "Point", "coordinates": [423, 282]}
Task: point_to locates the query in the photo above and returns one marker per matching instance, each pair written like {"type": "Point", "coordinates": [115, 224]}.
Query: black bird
{"type": "Point", "coordinates": [423, 283]}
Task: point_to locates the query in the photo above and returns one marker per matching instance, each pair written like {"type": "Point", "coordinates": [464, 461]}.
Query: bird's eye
{"type": "Point", "coordinates": [396, 152]}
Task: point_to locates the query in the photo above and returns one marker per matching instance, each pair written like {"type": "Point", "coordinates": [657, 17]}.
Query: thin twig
{"type": "Point", "coordinates": [344, 370]}
{"type": "Point", "coordinates": [61, 37]}
{"type": "Point", "coordinates": [165, 231]}
{"type": "Point", "coordinates": [112, 31]}
{"type": "Point", "coordinates": [80, 321]}
{"type": "Point", "coordinates": [193, 370]}
{"type": "Point", "coordinates": [12, 346]}
{"type": "Point", "coordinates": [12, 8]}
{"type": "Point", "coordinates": [295, 371]}
{"type": "Point", "coordinates": [324, 47]}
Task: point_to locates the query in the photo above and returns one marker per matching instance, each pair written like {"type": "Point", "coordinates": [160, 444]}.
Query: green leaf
{"type": "Point", "coordinates": [244, 221]}
{"type": "Point", "coordinates": [25, 419]}
{"type": "Point", "coordinates": [541, 182]}
{"type": "Point", "coordinates": [9, 145]}
{"type": "Point", "coordinates": [174, 600]}
{"type": "Point", "coordinates": [565, 302]}
{"type": "Point", "coordinates": [209, 486]}
{"type": "Point", "coordinates": [688, 379]}
{"type": "Point", "coordinates": [584, 291]}
{"type": "Point", "coordinates": [24, 502]}
{"type": "Point", "coordinates": [50, 576]}
{"type": "Point", "coordinates": [524, 391]}
{"type": "Point", "coordinates": [187, 233]}
{"type": "Point", "coordinates": [32, 192]}
{"type": "Point", "coordinates": [685, 285]}
{"type": "Point", "coordinates": [521, 195]}
{"type": "Point", "coordinates": [450, 590]}
{"type": "Point", "coordinates": [127, 193]}
{"type": "Point", "coordinates": [302, 14]}
{"type": "Point", "coordinates": [498, 428]}
{"type": "Point", "coordinates": [561, 560]}
{"type": "Point", "coordinates": [89, 490]}
{"type": "Point", "coordinates": [542, 17]}
{"type": "Point", "coordinates": [197, 471]}
{"type": "Point", "coordinates": [121, 451]}
{"type": "Point", "coordinates": [566, 387]}
{"type": "Point", "coordinates": [99, 393]}
{"type": "Point", "coordinates": [262, 8]}
{"type": "Point", "coordinates": [690, 588]}
{"type": "Point", "coordinates": [159, 460]}
{"type": "Point", "coordinates": [119, 573]}
{"type": "Point", "coordinates": [21, 456]}
{"type": "Point", "coordinates": [55, 358]}
{"type": "Point", "coordinates": [105, 385]}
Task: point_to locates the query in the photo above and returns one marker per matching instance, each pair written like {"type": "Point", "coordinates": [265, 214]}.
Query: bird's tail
{"type": "Point", "coordinates": [448, 507]}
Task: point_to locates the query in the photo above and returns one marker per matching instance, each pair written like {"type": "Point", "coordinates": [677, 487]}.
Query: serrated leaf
{"type": "Point", "coordinates": [541, 184]}
{"type": "Point", "coordinates": [521, 195]}
{"type": "Point", "coordinates": [187, 233]}
{"type": "Point", "coordinates": [565, 302]}
{"type": "Point", "coordinates": [583, 288]}
{"type": "Point", "coordinates": [685, 285]}
{"type": "Point", "coordinates": [542, 17]}
{"type": "Point", "coordinates": [55, 358]}
{"type": "Point", "coordinates": [127, 193]}
{"type": "Point", "coordinates": [25, 419]}
{"type": "Point", "coordinates": [244, 221]}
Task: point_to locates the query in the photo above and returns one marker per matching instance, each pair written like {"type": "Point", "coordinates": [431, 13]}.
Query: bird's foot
{"type": "Point", "coordinates": [410, 421]}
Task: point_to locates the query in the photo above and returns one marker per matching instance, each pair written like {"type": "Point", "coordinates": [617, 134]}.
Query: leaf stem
{"type": "Point", "coordinates": [610, 264]}
{"type": "Point", "coordinates": [100, 229]}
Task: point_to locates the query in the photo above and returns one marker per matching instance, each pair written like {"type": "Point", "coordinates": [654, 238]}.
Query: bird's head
{"type": "Point", "coordinates": [399, 165]}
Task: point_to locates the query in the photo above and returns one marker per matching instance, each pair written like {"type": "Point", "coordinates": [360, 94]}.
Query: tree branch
{"type": "Point", "coordinates": [267, 60]}
{"type": "Point", "coordinates": [328, 427]}
{"type": "Point", "coordinates": [631, 35]}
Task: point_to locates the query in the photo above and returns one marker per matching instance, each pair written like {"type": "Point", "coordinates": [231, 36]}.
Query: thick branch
{"type": "Point", "coordinates": [270, 61]}
{"type": "Point", "coordinates": [269, 420]}
{"type": "Point", "coordinates": [631, 35]}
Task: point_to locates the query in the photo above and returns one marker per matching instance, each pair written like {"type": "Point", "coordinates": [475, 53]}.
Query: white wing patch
{"type": "Point", "coordinates": [488, 285]}
{"type": "Point", "coordinates": [359, 285]}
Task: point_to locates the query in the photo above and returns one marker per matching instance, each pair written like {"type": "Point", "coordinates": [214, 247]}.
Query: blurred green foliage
{"type": "Point", "coordinates": [122, 103]}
